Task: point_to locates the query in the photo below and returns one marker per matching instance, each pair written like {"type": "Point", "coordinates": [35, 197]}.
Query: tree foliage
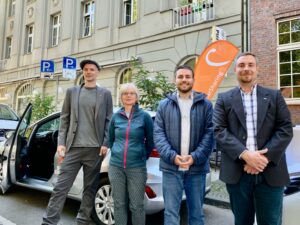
{"type": "Point", "coordinates": [42, 106]}
{"type": "Point", "coordinates": [153, 88]}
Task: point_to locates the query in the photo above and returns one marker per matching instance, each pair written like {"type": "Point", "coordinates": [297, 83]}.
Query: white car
{"type": "Point", "coordinates": [8, 120]}
{"type": "Point", "coordinates": [291, 200]}
{"type": "Point", "coordinates": [28, 158]}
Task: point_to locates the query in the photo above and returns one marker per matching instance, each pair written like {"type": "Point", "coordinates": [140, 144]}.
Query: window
{"type": "Point", "coordinates": [56, 22]}
{"type": "Point", "coordinates": [125, 77]}
{"type": "Point", "coordinates": [289, 32]}
{"type": "Point", "coordinates": [48, 127]}
{"type": "Point", "coordinates": [23, 93]}
{"type": "Point", "coordinates": [191, 61]}
{"type": "Point", "coordinates": [8, 47]}
{"type": "Point", "coordinates": [289, 58]}
{"type": "Point", "coordinates": [88, 18]}
{"type": "Point", "coordinates": [29, 39]}
{"type": "Point", "coordinates": [11, 7]}
{"type": "Point", "coordinates": [289, 73]}
{"type": "Point", "coordinates": [130, 11]}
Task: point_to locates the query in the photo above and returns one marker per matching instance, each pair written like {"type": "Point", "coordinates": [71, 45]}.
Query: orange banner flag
{"type": "Point", "coordinates": [212, 65]}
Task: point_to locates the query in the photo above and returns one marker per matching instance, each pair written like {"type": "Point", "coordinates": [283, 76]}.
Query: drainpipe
{"type": "Point", "coordinates": [245, 20]}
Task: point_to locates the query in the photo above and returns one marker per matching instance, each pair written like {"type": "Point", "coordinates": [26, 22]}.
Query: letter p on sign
{"type": "Point", "coordinates": [69, 63]}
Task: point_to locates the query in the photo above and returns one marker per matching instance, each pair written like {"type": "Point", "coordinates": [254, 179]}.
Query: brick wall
{"type": "Point", "coordinates": [264, 15]}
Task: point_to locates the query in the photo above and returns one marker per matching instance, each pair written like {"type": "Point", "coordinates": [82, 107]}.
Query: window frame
{"type": "Point", "coordinates": [88, 18]}
{"type": "Point", "coordinates": [55, 28]}
{"type": "Point", "coordinates": [125, 72]}
{"type": "Point", "coordinates": [8, 47]}
{"type": "Point", "coordinates": [291, 47]}
{"type": "Point", "coordinates": [11, 7]}
{"type": "Point", "coordinates": [29, 38]}
{"type": "Point", "coordinates": [132, 6]}
{"type": "Point", "coordinates": [23, 92]}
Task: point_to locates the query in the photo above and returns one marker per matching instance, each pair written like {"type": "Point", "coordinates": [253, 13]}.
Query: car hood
{"type": "Point", "coordinates": [8, 124]}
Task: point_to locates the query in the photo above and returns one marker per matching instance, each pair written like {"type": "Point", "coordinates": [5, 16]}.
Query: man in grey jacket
{"type": "Point", "coordinates": [183, 135]}
{"type": "Point", "coordinates": [82, 137]}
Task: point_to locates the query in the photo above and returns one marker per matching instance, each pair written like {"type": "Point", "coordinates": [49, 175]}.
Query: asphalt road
{"type": "Point", "coordinates": [23, 206]}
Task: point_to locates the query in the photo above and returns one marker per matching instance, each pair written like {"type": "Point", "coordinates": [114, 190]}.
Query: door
{"type": "Point", "coordinates": [10, 148]}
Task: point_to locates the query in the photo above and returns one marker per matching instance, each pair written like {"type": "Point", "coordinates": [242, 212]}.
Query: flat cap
{"type": "Point", "coordinates": [89, 61]}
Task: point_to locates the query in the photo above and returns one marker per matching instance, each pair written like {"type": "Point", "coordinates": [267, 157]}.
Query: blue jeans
{"type": "Point", "coordinates": [252, 195]}
{"type": "Point", "coordinates": [194, 186]}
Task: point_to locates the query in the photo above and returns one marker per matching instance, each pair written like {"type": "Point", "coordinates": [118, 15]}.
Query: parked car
{"type": "Point", "coordinates": [8, 120]}
{"type": "Point", "coordinates": [28, 158]}
{"type": "Point", "coordinates": [291, 200]}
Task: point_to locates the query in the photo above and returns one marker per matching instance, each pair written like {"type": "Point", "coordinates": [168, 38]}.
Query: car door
{"type": "Point", "coordinates": [10, 148]}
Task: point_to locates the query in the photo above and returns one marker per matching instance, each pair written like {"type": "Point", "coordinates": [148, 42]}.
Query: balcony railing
{"type": "Point", "coordinates": [193, 13]}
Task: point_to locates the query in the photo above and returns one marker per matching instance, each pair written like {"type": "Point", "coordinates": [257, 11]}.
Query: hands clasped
{"type": "Point", "coordinates": [184, 162]}
{"type": "Point", "coordinates": [256, 161]}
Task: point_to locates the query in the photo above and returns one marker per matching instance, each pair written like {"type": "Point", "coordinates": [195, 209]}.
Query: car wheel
{"type": "Point", "coordinates": [103, 213]}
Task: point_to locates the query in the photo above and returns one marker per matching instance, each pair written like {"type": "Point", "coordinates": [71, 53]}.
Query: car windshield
{"type": "Point", "coordinates": [7, 114]}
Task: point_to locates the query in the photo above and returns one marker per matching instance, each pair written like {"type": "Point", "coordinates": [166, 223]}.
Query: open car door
{"type": "Point", "coordinates": [10, 148]}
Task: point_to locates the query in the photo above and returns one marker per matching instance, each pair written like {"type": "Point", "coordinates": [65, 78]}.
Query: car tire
{"type": "Point", "coordinates": [103, 212]}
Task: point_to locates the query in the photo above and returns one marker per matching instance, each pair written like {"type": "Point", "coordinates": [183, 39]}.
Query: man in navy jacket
{"type": "Point", "coordinates": [253, 128]}
{"type": "Point", "coordinates": [183, 135]}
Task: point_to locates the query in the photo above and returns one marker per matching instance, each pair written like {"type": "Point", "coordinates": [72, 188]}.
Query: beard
{"type": "Point", "coordinates": [186, 90]}
{"type": "Point", "coordinates": [246, 77]}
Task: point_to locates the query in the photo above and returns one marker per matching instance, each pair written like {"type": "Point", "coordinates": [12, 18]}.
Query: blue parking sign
{"type": "Point", "coordinates": [69, 68]}
{"type": "Point", "coordinates": [69, 63]}
{"type": "Point", "coordinates": [47, 66]}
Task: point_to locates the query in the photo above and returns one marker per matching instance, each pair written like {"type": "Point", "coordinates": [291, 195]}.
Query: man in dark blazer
{"type": "Point", "coordinates": [82, 137]}
{"type": "Point", "coordinates": [252, 129]}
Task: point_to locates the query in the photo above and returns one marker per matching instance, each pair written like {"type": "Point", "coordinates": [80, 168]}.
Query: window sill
{"type": "Point", "coordinates": [127, 25]}
{"type": "Point", "coordinates": [292, 101]}
{"type": "Point", "coordinates": [87, 36]}
{"type": "Point", "coordinates": [53, 46]}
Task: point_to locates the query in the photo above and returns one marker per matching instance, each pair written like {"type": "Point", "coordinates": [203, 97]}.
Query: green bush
{"type": "Point", "coordinates": [153, 88]}
{"type": "Point", "coordinates": [42, 106]}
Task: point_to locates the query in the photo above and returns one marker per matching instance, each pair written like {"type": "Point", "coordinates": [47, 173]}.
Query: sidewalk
{"type": "Point", "coordinates": [218, 195]}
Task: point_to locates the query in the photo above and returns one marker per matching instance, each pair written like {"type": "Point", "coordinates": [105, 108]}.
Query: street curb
{"type": "Point", "coordinates": [217, 202]}
{"type": "Point", "coordinates": [218, 195]}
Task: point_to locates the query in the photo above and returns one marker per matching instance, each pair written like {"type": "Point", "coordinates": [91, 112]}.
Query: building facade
{"type": "Point", "coordinates": [275, 39]}
{"type": "Point", "coordinates": [161, 34]}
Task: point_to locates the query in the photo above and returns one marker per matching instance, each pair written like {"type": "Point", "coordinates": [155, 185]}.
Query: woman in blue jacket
{"type": "Point", "coordinates": [131, 141]}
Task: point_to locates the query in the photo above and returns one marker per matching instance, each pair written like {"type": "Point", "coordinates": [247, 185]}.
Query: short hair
{"type": "Point", "coordinates": [186, 67]}
{"type": "Point", "coordinates": [126, 86]}
{"type": "Point", "coordinates": [89, 61]}
{"type": "Point", "coordinates": [246, 54]}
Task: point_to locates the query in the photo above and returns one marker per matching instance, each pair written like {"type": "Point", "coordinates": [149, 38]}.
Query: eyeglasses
{"type": "Point", "coordinates": [129, 93]}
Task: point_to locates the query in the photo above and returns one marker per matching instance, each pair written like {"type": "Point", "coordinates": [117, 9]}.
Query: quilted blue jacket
{"type": "Point", "coordinates": [167, 132]}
